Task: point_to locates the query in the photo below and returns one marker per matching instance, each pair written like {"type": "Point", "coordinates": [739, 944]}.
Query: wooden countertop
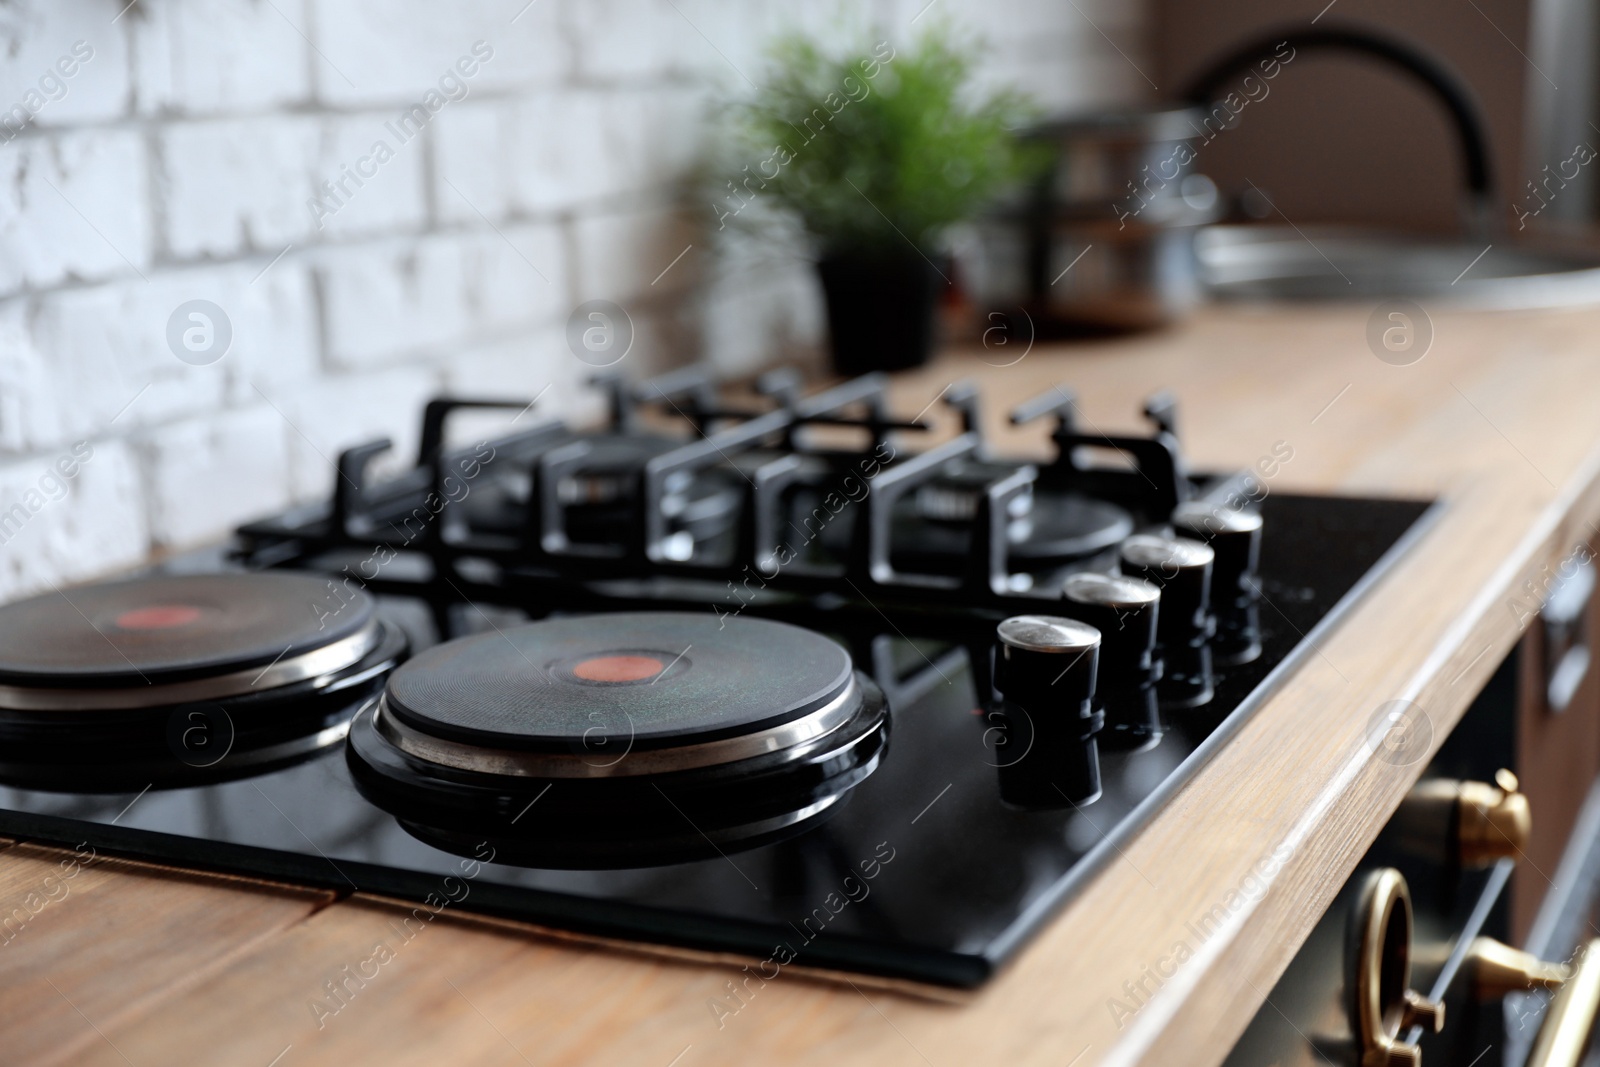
{"type": "Point", "coordinates": [138, 965]}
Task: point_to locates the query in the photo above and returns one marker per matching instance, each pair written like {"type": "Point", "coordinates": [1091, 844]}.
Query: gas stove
{"type": "Point", "coordinates": [703, 678]}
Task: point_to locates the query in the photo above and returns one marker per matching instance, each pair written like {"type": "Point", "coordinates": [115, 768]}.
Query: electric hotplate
{"type": "Point", "coordinates": [920, 870]}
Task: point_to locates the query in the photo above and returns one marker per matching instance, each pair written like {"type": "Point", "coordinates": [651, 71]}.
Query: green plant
{"type": "Point", "coordinates": [872, 148]}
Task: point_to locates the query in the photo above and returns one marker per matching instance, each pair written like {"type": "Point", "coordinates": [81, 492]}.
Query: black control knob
{"type": "Point", "coordinates": [1235, 536]}
{"type": "Point", "coordinates": [1125, 612]}
{"type": "Point", "coordinates": [1181, 569]}
{"type": "Point", "coordinates": [1048, 665]}
{"type": "Point", "coordinates": [1045, 668]}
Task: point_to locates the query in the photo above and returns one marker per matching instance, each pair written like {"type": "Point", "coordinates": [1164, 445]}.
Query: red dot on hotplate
{"type": "Point", "coordinates": [618, 668]}
{"type": "Point", "coordinates": [158, 617]}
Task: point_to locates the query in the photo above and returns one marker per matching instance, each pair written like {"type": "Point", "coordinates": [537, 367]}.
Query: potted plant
{"type": "Point", "coordinates": [874, 152]}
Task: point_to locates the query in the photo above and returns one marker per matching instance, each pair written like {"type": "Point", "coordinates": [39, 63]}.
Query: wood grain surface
{"type": "Point", "coordinates": [1501, 419]}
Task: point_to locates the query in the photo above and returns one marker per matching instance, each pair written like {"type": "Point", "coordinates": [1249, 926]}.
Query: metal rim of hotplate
{"type": "Point", "coordinates": [820, 723]}
{"type": "Point", "coordinates": [319, 662]}
{"type": "Point", "coordinates": [327, 737]}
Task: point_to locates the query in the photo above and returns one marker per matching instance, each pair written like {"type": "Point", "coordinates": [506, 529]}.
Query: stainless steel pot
{"type": "Point", "coordinates": [1105, 239]}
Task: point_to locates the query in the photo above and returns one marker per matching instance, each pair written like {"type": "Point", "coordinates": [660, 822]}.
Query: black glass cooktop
{"type": "Point", "coordinates": [920, 872]}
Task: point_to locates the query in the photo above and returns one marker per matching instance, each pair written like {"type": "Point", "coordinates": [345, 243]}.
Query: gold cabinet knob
{"type": "Point", "coordinates": [1498, 969]}
{"type": "Point", "coordinates": [1490, 822]}
{"type": "Point", "coordinates": [1495, 821]}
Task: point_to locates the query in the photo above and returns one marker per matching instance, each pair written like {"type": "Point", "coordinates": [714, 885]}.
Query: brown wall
{"type": "Point", "coordinates": [1343, 137]}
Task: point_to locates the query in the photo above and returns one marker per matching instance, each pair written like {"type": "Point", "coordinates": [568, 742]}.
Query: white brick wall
{"type": "Point", "coordinates": [98, 525]}
{"type": "Point", "coordinates": [414, 296]}
{"type": "Point", "coordinates": [211, 472]}
{"type": "Point", "coordinates": [168, 152]}
{"type": "Point", "coordinates": [38, 35]}
{"type": "Point", "coordinates": [197, 57]}
{"type": "Point", "coordinates": [395, 197]}
{"type": "Point", "coordinates": [233, 186]}
{"type": "Point", "coordinates": [324, 417]}
{"type": "Point", "coordinates": [620, 254]}
{"type": "Point", "coordinates": [73, 207]}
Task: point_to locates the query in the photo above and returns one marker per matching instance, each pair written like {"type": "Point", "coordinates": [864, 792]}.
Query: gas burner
{"type": "Point", "coordinates": [1045, 529]}
{"type": "Point", "coordinates": [175, 680]}
{"type": "Point", "coordinates": [590, 489]}
{"type": "Point", "coordinates": [1061, 527]}
{"type": "Point", "coordinates": [620, 740]}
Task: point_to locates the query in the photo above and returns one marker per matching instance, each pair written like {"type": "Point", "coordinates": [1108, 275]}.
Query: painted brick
{"type": "Point", "coordinates": [23, 377]}
{"type": "Point", "coordinates": [761, 310]}
{"type": "Point", "coordinates": [108, 367]}
{"type": "Point", "coordinates": [1054, 52]}
{"type": "Point", "coordinates": [95, 526]}
{"type": "Point", "coordinates": [580, 146]}
{"type": "Point", "coordinates": [376, 177]}
{"type": "Point", "coordinates": [621, 254]}
{"type": "Point", "coordinates": [194, 57]}
{"type": "Point", "coordinates": [72, 206]}
{"type": "Point", "coordinates": [1002, 22]}
{"type": "Point", "coordinates": [410, 296]}
{"type": "Point", "coordinates": [274, 315]}
{"type": "Point", "coordinates": [719, 43]}
{"type": "Point", "coordinates": [36, 35]}
{"type": "Point", "coordinates": [531, 49]}
{"type": "Point", "coordinates": [208, 474]}
{"type": "Point", "coordinates": [236, 187]}
{"type": "Point", "coordinates": [665, 335]}
{"type": "Point", "coordinates": [470, 163]}
{"type": "Point", "coordinates": [665, 135]}
{"type": "Point", "coordinates": [336, 412]}
{"type": "Point", "coordinates": [556, 148]}
{"type": "Point", "coordinates": [645, 40]}
{"type": "Point", "coordinates": [385, 58]}
{"type": "Point", "coordinates": [1087, 82]}
{"type": "Point", "coordinates": [386, 299]}
{"type": "Point", "coordinates": [511, 279]}
{"type": "Point", "coordinates": [536, 363]}
{"type": "Point", "coordinates": [574, 140]}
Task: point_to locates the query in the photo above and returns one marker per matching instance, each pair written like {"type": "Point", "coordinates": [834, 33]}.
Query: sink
{"type": "Point", "coordinates": [1257, 262]}
{"type": "Point", "coordinates": [1271, 262]}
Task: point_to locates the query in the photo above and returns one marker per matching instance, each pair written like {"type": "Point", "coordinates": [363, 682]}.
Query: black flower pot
{"type": "Point", "coordinates": [880, 308]}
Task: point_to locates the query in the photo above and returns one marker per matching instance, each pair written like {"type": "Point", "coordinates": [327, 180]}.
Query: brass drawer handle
{"type": "Point", "coordinates": [1498, 969]}
{"type": "Point", "coordinates": [1386, 1004]}
{"type": "Point", "coordinates": [1564, 1037]}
